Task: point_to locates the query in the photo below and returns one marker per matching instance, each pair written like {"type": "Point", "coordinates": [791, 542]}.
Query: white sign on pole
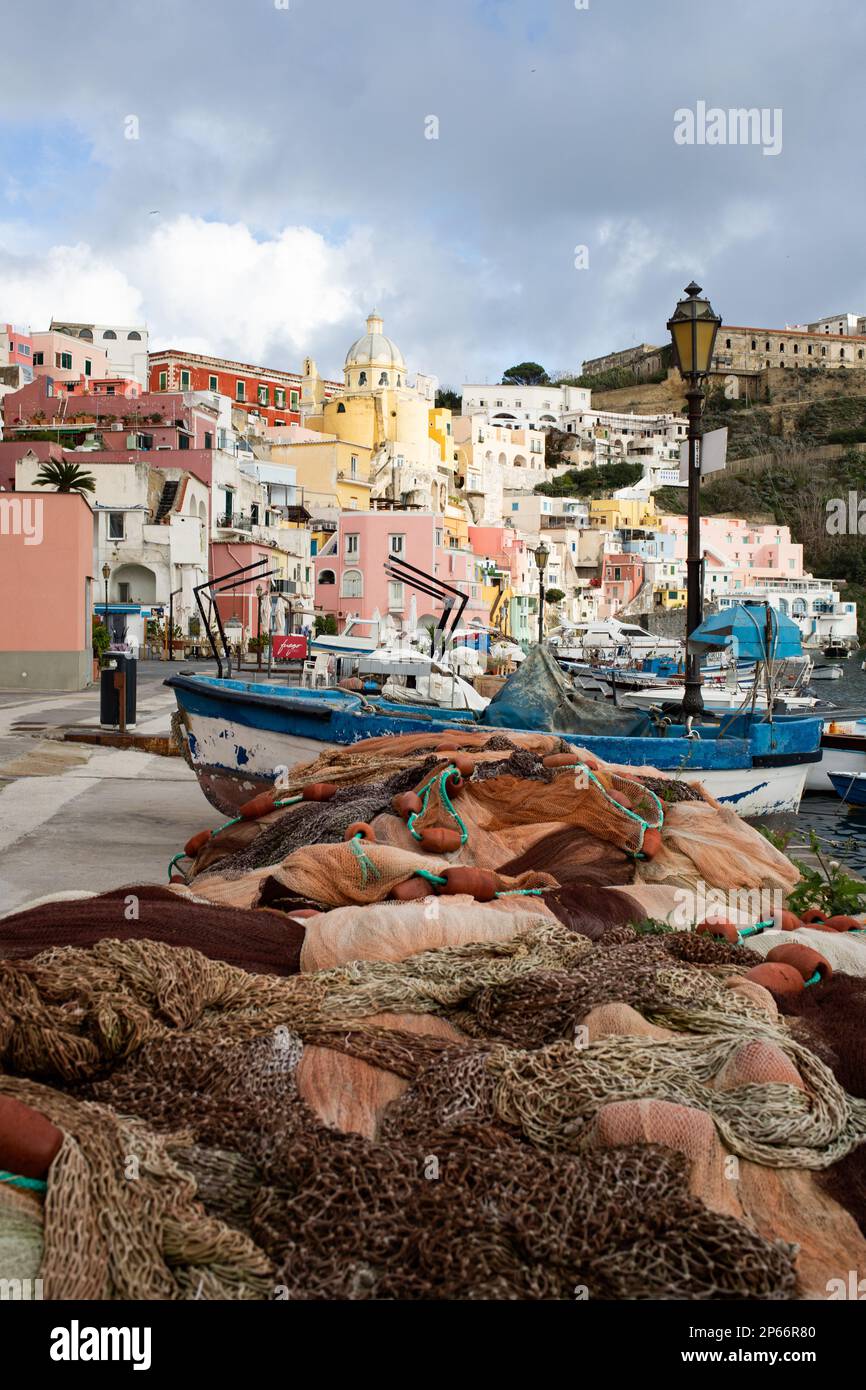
{"type": "Point", "coordinates": [712, 450]}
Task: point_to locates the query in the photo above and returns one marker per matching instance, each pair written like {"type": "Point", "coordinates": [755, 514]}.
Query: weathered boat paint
{"type": "Point", "coordinates": [242, 736]}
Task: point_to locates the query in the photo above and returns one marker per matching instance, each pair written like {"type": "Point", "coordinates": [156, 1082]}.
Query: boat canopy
{"type": "Point", "coordinates": [755, 632]}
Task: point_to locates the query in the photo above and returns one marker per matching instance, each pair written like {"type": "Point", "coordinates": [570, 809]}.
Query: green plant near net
{"type": "Point", "coordinates": [824, 885]}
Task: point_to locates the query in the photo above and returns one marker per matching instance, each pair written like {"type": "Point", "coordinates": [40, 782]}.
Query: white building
{"type": "Point", "coordinates": [492, 458]}
{"type": "Point", "coordinates": [849, 325]}
{"type": "Point", "coordinates": [516, 407]}
{"type": "Point", "coordinates": [814, 604]}
{"type": "Point", "coordinates": [125, 346]}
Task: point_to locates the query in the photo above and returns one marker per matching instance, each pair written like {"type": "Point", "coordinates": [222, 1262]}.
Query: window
{"type": "Point", "coordinates": [64, 361]}
{"type": "Point", "coordinates": [767, 346]}
{"type": "Point", "coordinates": [823, 352]}
{"type": "Point", "coordinates": [754, 345]}
{"type": "Point", "coordinates": [115, 526]}
{"type": "Point", "coordinates": [294, 400]}
{"type": "Point", "coordinates": [395, 594]}
{"type": "Point", "coordinates": [124, 592]}
{"type": "Point", "coordinates": [280, 396]}
{"type": "Point", "coordinates": [353, 584]}
{"type": "Point", "coordinates": [86, 334]}
{"type": "Point", "coordinates": [341, 409]}
{"type": "Point", "coordinates": [796, 348]}
{"type": "Point", "coordinates": [132, 337]}
{"type": "Point", "coordinates": [109, 333]}
{"type": "Point", "coordinates": [88, 367]}
{"type": "Point", "coordinates": [327, 577]}
{"type": "Point", "coordinates": [353, 545]}
{"type": "Point", "coordinates": [383, 379]}
{"type": "Point", "coordinates": [213, 383]}
{"type": "Point", "coordinates": [727, 342]}
{"type": "Point", "coordinates": [240, 391]}
{"type": "Point", "coordinates": [353, 467]}
{"type": "Point", "coordinates": [184, 381]}
{"type": "Point", "coordinates": [362, 378]}
{"type": "Point", "coordinates": [39, 359]}
{"type": "Point", "coordinates": [438, 536]}
{"type": "Point", "coordinates": [163, 379]}
{"type": "Point", "coordinates": [263, 395]}
{"type": "Point", "coordinates": [396, 544]}
{"type": "Point", "coordinates": [208, 439]}
{"type": "Point", "coordinates": [254, 513]}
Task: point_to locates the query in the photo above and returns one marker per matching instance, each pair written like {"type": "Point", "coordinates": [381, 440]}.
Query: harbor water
{"type": "Point", "coordinates": [842, 826]}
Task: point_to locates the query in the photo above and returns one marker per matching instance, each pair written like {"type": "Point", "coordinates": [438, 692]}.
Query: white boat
{"type": "Point", "coordinates": [826, 673]}
{"type": "Point", "coordinates": [609, 640]}
{"type": "Point", "coordinates": [843, 750]}
{"type": "Point", "coordinates": [717, 698]}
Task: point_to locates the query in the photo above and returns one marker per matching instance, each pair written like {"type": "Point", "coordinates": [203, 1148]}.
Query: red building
{"type": "Point", "coordinates": [272, 395]}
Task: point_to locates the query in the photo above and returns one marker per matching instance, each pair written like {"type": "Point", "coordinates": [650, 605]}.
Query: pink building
{"type": "Point", "coordinates": [350, 570]}
{"type": "Point", "coordinates": [46, 559]}
{"type": "Point", "coordinates": [162, 420]}
{"type": "Point", "coordinates": [621, 578]}
{"type": "Point", "coordinates": [749, 552]}
{"type": "Point", "coordinates": [66, 357]}
{"type": "Point", "coordinates": [16, 349]}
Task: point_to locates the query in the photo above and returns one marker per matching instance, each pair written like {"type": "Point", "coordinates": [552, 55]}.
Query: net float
{"type": "Point", "coordinates": [781, 980]}
{"type": "Point", "coordinates": [195, 843]}
{"type": "Point", "coordinates": [407, 804]}
{"type": "Point", "coordinates": [788, 921]}
{"type": "Point", "coordinates": [561, 760]}
{"type": "Point", "coordinates": [319, 791]}
{"type": "Point", "coordinates": [652, 843]}
{"type": "Point", "coordinates": [727, 930]}
{"type": "Point", "coordinates": [814, 914]}
{"type": "Point", "coordinates": [410, 889]}
{"type": "Point", "coordinates": [29, 1142]}
{"type": "Point", "coordinates": [479, 883]}
{"type": "Point", "coordinates": [464, 764]}
{"type": "Point", "coordinates": [260, 805]}
{"type": "Point", "coordinates": [360, 827]}
{"type": "Point", "coordinates": [842, 923]}
{"type": "Point", "coordinates": [439, 840]}
{"type": "Point", "coordinates": [803, 958]}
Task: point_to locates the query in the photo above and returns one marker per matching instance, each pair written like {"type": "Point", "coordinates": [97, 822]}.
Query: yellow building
{"type": "Point", "coordinates": [330, 473]}
{"type": "Point", "coordinates": [406, 438]}
{"type": "Point", "coordinates": [664, 597]}
{"type": "Point", "coordinates": [614, 513]}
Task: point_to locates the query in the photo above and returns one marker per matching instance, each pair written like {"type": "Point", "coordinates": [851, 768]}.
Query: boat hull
{"type": "Point", "coordinates": [842, 753]}
{"type": "Point", "coordinates": [240, 741]}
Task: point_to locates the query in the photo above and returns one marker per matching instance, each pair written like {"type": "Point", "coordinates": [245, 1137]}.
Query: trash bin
{"type": "Point", "coordinates": [109, 697]}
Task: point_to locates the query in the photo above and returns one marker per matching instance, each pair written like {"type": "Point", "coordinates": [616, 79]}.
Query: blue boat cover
{"type": "Point", "coordinates": [746, 628]}
{"type": "Point", "coordinates": [537, 696]}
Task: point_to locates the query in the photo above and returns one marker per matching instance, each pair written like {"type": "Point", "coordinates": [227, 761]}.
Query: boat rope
{"type": "Point", "coordinates": [365, 863]}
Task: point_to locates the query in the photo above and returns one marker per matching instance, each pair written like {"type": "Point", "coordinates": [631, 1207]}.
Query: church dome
{"type": "Point", "coordinates": [373, 349]}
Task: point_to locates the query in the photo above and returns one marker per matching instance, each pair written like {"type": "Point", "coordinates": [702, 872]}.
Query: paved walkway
{"type": "Point", "coordinates": [76, 816]}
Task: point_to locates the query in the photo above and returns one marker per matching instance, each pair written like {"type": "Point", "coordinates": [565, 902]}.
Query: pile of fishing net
{"type": "Point", "coordinates": [449, 1100]}
{"type": "Point", "coordinates": [515, 805]}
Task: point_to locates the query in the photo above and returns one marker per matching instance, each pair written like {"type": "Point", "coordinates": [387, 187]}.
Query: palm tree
{"type": "Point", "coordinates": [65, 477]}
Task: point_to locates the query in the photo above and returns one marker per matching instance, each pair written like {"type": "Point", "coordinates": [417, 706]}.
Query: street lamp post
{"type": "Point", "coordinates": [259, 592]}
{"type": "Point", "coordinates": [106, 572]}
{"type": "Point", "coordinates": [693, 328]}
{"type": "Point", "coordinates": [542, 555]}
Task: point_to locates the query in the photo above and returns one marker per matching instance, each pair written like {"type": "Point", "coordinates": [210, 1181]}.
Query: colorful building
{"type": "Point", "coordinates": [271, 397]}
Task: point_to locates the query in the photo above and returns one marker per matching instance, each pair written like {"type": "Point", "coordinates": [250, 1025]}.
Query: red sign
{"type": "Point", "coordinates": [291, 648]}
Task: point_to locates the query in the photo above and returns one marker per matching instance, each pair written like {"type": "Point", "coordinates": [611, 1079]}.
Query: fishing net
{"type": "Point", "coordinates": [261, 941]}
{"type": "Point", "coordinates": [442, 1208]}
{"type": "Point", "coordinates": [615, 809]}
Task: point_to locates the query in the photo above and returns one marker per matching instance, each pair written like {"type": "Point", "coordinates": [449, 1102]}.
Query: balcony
{"type": "Point", "coordinates": [235, 521]}
{"type": "Point", "coordinates": [284, 586]}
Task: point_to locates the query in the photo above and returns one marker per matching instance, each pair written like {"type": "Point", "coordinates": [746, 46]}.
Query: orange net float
{"type": "Point", "coordinates": [813, 915]}
{"type": "Point", "coordinates": [562, 760]}
{"type": "Point", "coordinates": [260, 805]}
{"type": "Point", "coordinates": [842, 923]}
{"type": "Point", "coordinates": [652, 842]}
{"type": "Point", "coordinates": [479, 883]}
{"type": "Point", "coordinates": [803, 958]}
{"type": "Point", "coordinates": [29, 1142]}
{"type": "Point", "coordinates": [464, 763]}
{"type": "Point", "coordinates": [407, 804]}
{"type": "Point", "coordinates": [789, 921]}
{"type": "Point", "coordinates": [440, 840]}
{"type": "Point", "coordinates": [726, 930]}
{"type": "Point", "coordinates": [781, 980]}
{"type": "Point", "coordinates": [411, 889]}
{"type": "Point", "coordinates": [195, 843]}
{"type": "Point", "coordinates": [360, 827]}
{"type": "Point", "coordinates": [319, 791]}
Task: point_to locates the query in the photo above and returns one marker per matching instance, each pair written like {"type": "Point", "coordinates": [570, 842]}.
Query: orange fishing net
{"type": "Point", "coordinates": [618, 810]}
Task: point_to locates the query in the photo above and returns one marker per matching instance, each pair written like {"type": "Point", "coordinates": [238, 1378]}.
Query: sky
{"type": "Point", "coordinates": [500, 179]}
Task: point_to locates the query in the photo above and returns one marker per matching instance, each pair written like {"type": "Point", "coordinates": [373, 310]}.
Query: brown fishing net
{"type": "Point", "coordinates": [616, 809]}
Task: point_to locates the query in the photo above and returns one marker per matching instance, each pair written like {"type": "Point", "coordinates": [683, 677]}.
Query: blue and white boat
{"type": "Point", "coordinates": [851, 786]}
{"type": "Point", "coordinates": [241, 736]}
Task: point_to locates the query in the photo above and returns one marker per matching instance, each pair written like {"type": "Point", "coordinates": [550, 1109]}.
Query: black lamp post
{"type": "Point", "coordinates": [259, 592]}
{"type": "Point", "coordinates": [542, 554]}
{"type": "Point", "coordinates": [693, 328]}
{"type": "Point", "coordinates": [106, 571]}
